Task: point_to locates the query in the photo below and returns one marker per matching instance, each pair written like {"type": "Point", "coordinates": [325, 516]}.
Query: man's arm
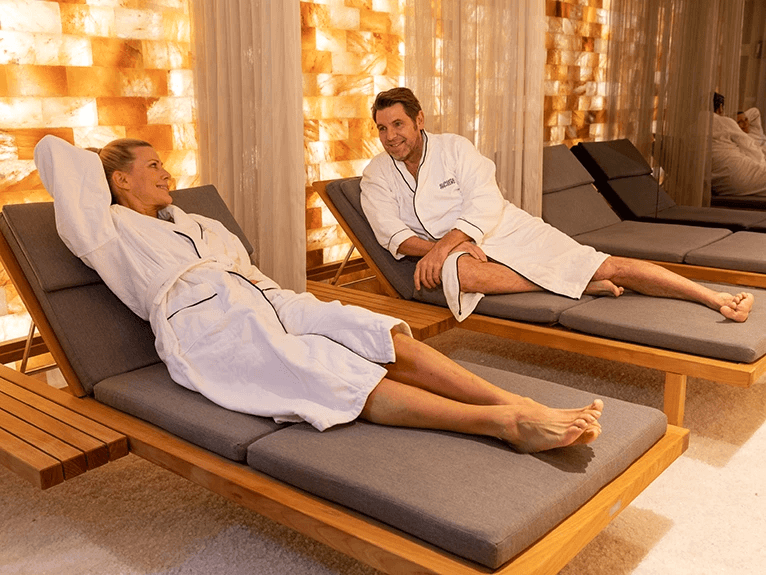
{"type": "Point", "coordinates": [433, 254]}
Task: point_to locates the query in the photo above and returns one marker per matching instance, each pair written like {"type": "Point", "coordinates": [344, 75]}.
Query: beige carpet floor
{"type": "Point", "coordinates": [705, 515]}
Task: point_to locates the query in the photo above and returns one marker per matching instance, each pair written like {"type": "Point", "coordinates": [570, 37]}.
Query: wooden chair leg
{"type": "Point", "coordinates": [334, 280]}
{"type": "Point", "coordinates": [675, 398]}
{"type": "Point", "coordinates": [27, 348]}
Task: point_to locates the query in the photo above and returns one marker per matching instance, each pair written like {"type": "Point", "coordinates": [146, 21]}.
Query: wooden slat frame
{"type": "Point", "coordinates": [351, 533]}
{"type": "Point", "coordinates": [677, 366]}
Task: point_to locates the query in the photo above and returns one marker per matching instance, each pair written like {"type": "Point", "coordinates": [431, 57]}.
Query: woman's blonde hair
{"type": "Point", "coordinates": [117, 156]}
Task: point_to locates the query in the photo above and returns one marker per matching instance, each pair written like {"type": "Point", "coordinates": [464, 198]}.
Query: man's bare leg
{"type": "Point", "coordinates": [527, 428]}
{"type": "Point", "coordinates": [650, 279]}
{"type": "Point", "coordinates": [494, 278]}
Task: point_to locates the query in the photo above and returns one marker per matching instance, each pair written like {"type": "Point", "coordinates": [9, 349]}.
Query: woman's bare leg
{"type": "Point", "coordinates": [528, 428]}
{"type": "Point", "coordinates": [426, 389]}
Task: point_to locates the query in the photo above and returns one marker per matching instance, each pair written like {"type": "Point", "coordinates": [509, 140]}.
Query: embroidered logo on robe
{"type": "Point", "coordinates": [447, 183]}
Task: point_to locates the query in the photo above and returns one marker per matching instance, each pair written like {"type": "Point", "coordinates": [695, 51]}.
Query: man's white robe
{"type": "Point", "coordinates": [456, 189]}
{"type": "Point", "coordinates": [222, 327]}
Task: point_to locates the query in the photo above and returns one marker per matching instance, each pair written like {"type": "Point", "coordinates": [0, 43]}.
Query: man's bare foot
{"type": "Point", "coordinates": [603, 287]}
{"type": "Point", "coordinates": [537, 427]}
{"type": "Point", "coordinates": [738, 307]}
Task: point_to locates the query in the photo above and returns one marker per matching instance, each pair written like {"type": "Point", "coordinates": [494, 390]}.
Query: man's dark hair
{"type": "Point", "coordinates": [403, 96]}
{"type": "Point", "coordinates": [718, 101]}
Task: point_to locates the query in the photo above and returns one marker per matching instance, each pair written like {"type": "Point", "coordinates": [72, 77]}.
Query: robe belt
{"type": "Point", "coordinates": [160, 285]}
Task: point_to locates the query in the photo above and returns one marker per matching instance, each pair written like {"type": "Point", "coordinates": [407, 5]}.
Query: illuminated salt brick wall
{"type": "Point", "coordinates": [90, 73]}
{"type": "Point", "coordinates": [351, 50]}
{"type": "Point", "coordinates": [575, 70]}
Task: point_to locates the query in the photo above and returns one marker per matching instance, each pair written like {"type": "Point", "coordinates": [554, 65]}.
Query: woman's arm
{"type": "Point", "coordinates": [76, 180]}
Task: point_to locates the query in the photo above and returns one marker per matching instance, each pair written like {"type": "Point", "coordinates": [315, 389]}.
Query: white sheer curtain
{"type": "Point", "coordinates": [665, 60]}
{"type": "Point", "coordinates": [248, 83]}
{"type": "Point", "coordinates": [477, 67]}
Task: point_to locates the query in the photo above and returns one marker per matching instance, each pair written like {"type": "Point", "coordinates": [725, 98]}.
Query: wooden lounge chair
{"type": "Point", "coordinates": [400, 500]}
{"type": "Point", "coordinates": [625, 179]}
{"type": "Point", "coordinates": [679, 338]}
{"type": "Point", "coordinates": [572, 204]}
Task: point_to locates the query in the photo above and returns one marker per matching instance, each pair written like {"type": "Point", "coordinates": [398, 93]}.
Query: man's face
{"type": "Point", "coordinates": [400, 136]}
{"type": "Point", "coordinates": [744, 123]}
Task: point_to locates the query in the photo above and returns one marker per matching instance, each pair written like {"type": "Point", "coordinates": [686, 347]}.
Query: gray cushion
{"type": "Point", "coordinates": [578, 210]}
{"type": "Point", "coordinates": [641, 195]}
{"type": "Point", "coordinates": [744, 251]}
{"type": "Point", "coordinates": [674, 324]}
{"type": "Point", "coordinates": [612, 159]}
{"type": "Point", "coordinates": [562, 170]}
{"type": "Point", "coordinates": [651, 240]}
{"type": "Point", "coordinates": [742, 202]}
{"type": "Point", "coordinates": [151, 395]}
{"type": "Point", "coordinates": [537, 307]}
{"type": "Point", "coordinates": [474, 497]}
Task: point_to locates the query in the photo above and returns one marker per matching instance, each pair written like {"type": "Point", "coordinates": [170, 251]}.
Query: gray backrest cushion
{"type": "Point", "coordinates": [345, 196]}
{"type": "Point", "coordinates": [100, 336]}
{"type": "Point", "coordinates": [578, 210]}
{"type": "Point", "coordinates": [151, 395]}
{"type": "Point", "coordinates": [472, 496]}
{"type": "Point", "coordinates": [642, 195]}
{"type": "Point", "coordinates": [674, 324]}
{"type": "Point", "coordinates": [612, 159]}
{"type": "Point", "coordinates": [562, 170]}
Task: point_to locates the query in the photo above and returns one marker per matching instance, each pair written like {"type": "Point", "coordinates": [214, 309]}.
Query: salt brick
{"type": "Point", "coordinates": [155, 55]}
{"type": "Point", "coordinates": [308, 38]}
{"type": "Point", "coordinates": [17, 48]}
{"type": "Point", "coordinates": [331, 40]}
{"type": "Point", "coordinates": [180, 83]}
{"type": "Point", "coordinates": [175, 26]}
{"type": "Point", "coordinates": [69, 112]}
{"type": "Point", "coordinates": [82, 20]}
{"type": "Point", "coordinates": [179, 55]}
{"type": "Point", "coordinates": [14, 171]}
{"type": "Point", "coordinates": [138, 24]}
{"type": "Point", "coordinates": [143, 83]}
{"type": "Point", "coordinates": [21, 113]}
{"type": "Point", "coordinates": [185, 136]}
{"type": "Point", "coordinates": [316, 62]}
{"type": "Point", "coordinates": [315, 16]}
{"type": "Point", "coordinates": [97, 136]}
{"type": "Point", "coordinates": [122, 111]}
{"type": "Point", "coordinates": [169, 111]}
{"type": "Point", "coordinates": [159, 136]}
{"type": "Point", "coordinates": [117, 53]}
{"type": "Point", "coordinates": [24, 141]}
{"type": "Point", "coordinates": [93, 81]}
{"type": "Point", "coordinates": [29, 16]}
{"type": "Point", "coordinates": [345, 18]}
{"type": "Point", "coordinates": [374, 21]}
{"type": "Point", "coordinates": [333, 129]}
{"type": "Point", "coordinates": [62, 50]}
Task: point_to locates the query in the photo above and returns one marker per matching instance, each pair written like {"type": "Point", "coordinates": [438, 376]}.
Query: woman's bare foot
{"type": "Point", "coordinates": [738, 307]}
{"type": "Point", "coordinates": [603, 287]}
{"type": "Point", "coordinates": [537, 427]}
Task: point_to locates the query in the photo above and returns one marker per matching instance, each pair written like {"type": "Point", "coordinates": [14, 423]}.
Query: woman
{"type": "Point", "coordinates": [227, 331]}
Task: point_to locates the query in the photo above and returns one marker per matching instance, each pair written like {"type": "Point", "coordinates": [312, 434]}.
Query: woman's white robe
{"type": "Point", "coordinates": [252, 348]}
{"type": "Point", "coordinates": [456, 189]}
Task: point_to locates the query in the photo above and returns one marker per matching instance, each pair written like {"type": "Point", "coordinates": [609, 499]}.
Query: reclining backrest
{"type": "Point", "coordinates": [570, 202]}
{"type": "Point", "coordinates": [624, 177]}
{"type": "Point", "coordinates": [345, 195]}
{"type": "Point", "coordinates": [82, 311]}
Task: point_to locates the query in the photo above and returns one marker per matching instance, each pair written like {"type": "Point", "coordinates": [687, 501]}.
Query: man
{"type": "Point", "coordinates": [435, 197]}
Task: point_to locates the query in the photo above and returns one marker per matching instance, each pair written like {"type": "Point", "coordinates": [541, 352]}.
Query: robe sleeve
{"type": "Point", "coordinates": [380, 208]}
{"type": "Point", "coordinates": [75, 178]}
{"type": "Point", "coordinates": [482, 201]}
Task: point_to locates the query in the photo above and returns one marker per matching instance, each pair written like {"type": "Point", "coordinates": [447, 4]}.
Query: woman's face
{"type": "Point", "coordinates": [147, 181]}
